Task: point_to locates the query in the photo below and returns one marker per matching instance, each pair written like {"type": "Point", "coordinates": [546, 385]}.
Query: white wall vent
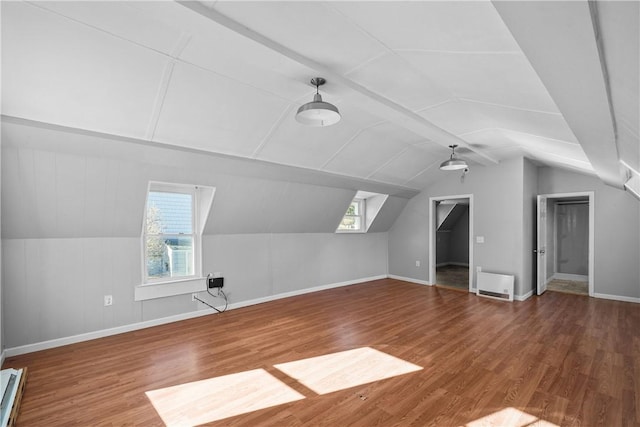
{"type": "Point", "coordinates": [497, 286]}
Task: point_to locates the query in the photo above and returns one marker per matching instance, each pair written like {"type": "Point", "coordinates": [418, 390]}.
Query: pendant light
{"type": "Point", "coordinates": [453, 163]}
{"type": "Point", "coordinates": [318, 112]}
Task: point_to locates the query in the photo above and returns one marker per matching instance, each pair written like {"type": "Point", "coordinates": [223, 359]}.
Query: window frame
{"type": "Point", "coordinates": [192, 190]}
{"type": "Point", "coordinates": [362, 206]}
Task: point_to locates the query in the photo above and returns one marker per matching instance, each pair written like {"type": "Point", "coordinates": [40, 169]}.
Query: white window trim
{"type": "Point", "coordinates": [203, 202]}
{"type": "Point", "coordinates": [197, 246]}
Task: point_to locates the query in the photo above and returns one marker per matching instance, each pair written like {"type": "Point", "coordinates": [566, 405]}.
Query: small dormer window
{"type": "Point", "coordinates": [362, 212]}
{"type": "Point", "coordinates": [170, 245]}
{"type": "Point", "coordinates": [354, 218]}
{"type": "Point", "coordinates": [173, 223]}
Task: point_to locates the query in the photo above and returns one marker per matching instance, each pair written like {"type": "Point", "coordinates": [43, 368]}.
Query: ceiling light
{"type": "Point", "coordinates": [453, 163]}
{"type": "Point", "coordinates": [318, 112]}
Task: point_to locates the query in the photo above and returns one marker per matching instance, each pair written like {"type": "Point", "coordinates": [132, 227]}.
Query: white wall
{"type": "Point", "coordinates": [616, 234]}
{"type": "Point", "coordinates": [259, 265]}
{"type": "Point", "coordinates": [498, 193]}
{"type": "Point", "coordinates": [55, 287]}
{"type": "Point", "coordinates": [504, 214]}
{"type": "Point", "coordinates": [72, 209]}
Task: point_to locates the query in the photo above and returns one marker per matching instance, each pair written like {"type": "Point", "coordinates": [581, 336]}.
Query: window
{"type": "Point", "coordinates": [361, 213]}
{"type": "Point", "coordinates": [171, 244]}
{"type": "Point", "coordinates": [353, 219]}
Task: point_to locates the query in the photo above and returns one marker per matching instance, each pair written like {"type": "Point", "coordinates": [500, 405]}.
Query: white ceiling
{"type": "Point", "coordinates": [500, 79]}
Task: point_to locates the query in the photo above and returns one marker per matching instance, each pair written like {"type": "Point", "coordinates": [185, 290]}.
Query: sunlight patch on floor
{"type": "Point", "coordinates": [213, 399]}
{"type": "Point", "coordinates": [351, 368]}
{"type": "Point", "coordinates": [510, 417]}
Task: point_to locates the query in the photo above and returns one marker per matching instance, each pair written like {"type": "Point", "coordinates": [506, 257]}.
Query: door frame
{"type": "Point", "coordinates": [432, 234]}
{"type": "Point", "coordinates": [554, 196]}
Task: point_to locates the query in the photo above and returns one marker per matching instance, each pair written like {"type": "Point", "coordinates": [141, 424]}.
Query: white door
{"type": "Point", "coordinates": [542, 245]}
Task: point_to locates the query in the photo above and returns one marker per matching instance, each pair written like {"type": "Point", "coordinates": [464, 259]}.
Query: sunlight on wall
{"type": "Point", "coordinates": [510, 417]}
{"type": "Point", "coordinates": [213, 399]}
{"type": "Point", "coordinates": [337, 371]}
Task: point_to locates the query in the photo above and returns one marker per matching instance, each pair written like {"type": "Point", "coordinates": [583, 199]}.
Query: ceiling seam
{"type": "Point", "coordinates": [453, 99]}
{"type": "Point", "coordinates": [163, 88]}
{"type": "Point", "coordinates": [595, 20]}
{"type": "Point", "coordinates": [101, 30]}
{"type": "Point", "coordinates": [360, 131]}
{"type": "Point", "coordinates": [389, 50]}
{"type": "Point", "coordinates": [159, 52]}
{"type": "Point", "coordinates": [158, 103]}
{"type": "Point", "coordinates": [461, 52]}
{"type": "Point", "coordinates": [272, 129]}
{"type": "Point", "coordinates": [365, 62]}
{"type": "Point", "coordinates": [564, 158]}
{"type": "Point", "coordinates": [575, 144]}
{"type": "Point", "coordinates": [404, 117]}
{"type": "Point", "coordinates": [391, 159]}
{"type": "Point", "coordinates": [420, 173]}
{"type": "Point", "coordinates": [210, 154]}
{"type": "Point", "coordinates": [509, 107]}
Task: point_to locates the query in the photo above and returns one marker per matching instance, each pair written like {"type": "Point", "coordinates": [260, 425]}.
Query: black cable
{"type": "Point", "coordinates": [226, 300]}
{"type": "Point", "coordinates": [206, 303]}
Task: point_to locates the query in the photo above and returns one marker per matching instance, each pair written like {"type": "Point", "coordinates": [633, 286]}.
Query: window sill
{"type": "Point", "coordinates": [167, 289]}
{"type": "Point", "coordinates": [350, 232]}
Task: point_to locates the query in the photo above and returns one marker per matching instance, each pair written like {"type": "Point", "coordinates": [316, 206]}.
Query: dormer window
{"type": "Point", "coordinates": [174, 219]}
{"type": "Point", "coordinates": [354, 218]}
{"type": "Point", "coordinates": [361, 212]}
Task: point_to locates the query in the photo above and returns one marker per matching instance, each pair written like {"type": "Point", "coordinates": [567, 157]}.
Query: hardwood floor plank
{"type": "Point", "coordinates": [558, 358]}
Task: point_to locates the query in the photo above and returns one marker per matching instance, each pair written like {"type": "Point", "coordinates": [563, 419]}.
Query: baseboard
{"type": "Point", "coordinates": [58, 342]}
{"type": "Point", "coordinates": [523, 297]}
{"type": "Point", "coordinates": [617, 298]}
{"type": "Point", "coordinates": [409, 279]}
{"type": "Point", "coordinates": [302, 292]}
{"type": "Point", "coordinates": [2, 356]}
{"type": "Point", "coordinates": [567, 276]}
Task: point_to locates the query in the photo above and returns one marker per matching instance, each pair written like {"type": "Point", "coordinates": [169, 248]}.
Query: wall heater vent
{"type": "Point", "coordinates": [497, 286]}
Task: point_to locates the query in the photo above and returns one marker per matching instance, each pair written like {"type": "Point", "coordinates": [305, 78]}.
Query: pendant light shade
{"type": "Point", "coordinates": [453, 163]}
{"type": "Point", "coordinates": [318, 112]}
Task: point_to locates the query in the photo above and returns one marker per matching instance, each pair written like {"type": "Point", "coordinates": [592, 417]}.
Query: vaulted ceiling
{"type": "Point", "coordinates": [557, 82]}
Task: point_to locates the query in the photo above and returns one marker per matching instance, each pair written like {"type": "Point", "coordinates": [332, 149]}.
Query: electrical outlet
{"type": "Point", "coordinates": [417, 263]}
{"type": "Point", "coordinates": [478, 269]}
{"type": "Point", "coordinates": [193, 297]}
{"type": "Point", "coordinates": [108, 300]}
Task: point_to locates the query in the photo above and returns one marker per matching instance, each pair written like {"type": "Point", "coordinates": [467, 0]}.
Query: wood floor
{"type": "Point", "coordinates": [451, 358]}
{"type": "Point", "coordinates": [569, 286]}
{"type": "Point", "coordinates": [453, 276]}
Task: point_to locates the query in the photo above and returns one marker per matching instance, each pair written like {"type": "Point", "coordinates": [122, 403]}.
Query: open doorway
{"type": "Point", "coordinates": [451, 249]}
{"type": "Point", "coordinates": [565, 243]}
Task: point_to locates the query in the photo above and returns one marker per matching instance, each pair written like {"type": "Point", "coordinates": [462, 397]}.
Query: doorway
{"type": "Point", "coordinates": [565, 243]}
{"type": "Point", "coordinates": [450, 242]}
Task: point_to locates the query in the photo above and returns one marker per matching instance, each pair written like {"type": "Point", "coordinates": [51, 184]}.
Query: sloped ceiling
{"type": "Point", "coordinates": [410, 78]}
